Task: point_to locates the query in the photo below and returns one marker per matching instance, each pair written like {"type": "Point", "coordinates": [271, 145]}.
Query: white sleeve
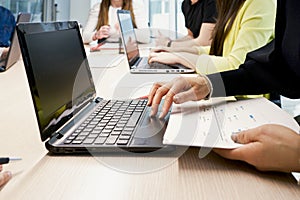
{"type": "Point", "coordinates": [89, 29]}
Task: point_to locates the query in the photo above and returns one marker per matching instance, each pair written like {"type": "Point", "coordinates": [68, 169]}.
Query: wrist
{"type": "Point", "coordinates": [208, 85]}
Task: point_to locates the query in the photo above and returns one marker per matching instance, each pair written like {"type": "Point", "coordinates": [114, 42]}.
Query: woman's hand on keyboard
{"type": "Point", "coordinates": [186, 59]}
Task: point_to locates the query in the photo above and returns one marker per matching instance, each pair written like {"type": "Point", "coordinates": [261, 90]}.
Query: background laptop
{"type": "Point", "coordinates": [69, 114]}
{"type": "Point", "coordinates": [139, 64]}
{"type": "Point", "coordinates": [14, 52]}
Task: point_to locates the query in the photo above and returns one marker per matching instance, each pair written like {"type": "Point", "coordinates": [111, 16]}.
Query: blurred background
{"type": "Point", "coordinates": [161, 13]}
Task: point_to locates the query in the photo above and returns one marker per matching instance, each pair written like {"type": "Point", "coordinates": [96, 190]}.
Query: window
{"type": "Point", "coordinates": [34, 7]}
{"type": "Point", "coordinates": [167, 13]}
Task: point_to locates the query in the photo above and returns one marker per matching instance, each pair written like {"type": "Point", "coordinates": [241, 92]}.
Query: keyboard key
{"type": "Point", "coordinates": [100, 140]}
{"type": "Point", "coordinates": [127, 133]}
{"type": "Point", "coordinates": [124, 137]}
{"type": "Point", "coordinates": [122, 142]}
{"type": "Point", "coordinates": [88, 141]}
{"type": "Point", "coordinates": [115, 133]}
{"type": "Point", "coordinates": [111, 140]}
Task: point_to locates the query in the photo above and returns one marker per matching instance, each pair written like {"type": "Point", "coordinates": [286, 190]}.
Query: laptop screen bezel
{"type": "Point", "coordinates": [132, 61]}
{"type": "Point", "coordinates": [39, 28]}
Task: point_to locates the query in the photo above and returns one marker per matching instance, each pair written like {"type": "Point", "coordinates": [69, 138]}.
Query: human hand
{"type": "Point", "coordinates": [269, 148]}
{"type": "Point", "coordinates": [103, 32]}
{"type": "Point", "coordinates": [117, 27]}
{"type": "Point", "coordinates": [4, 176]}
{"type": "Point", "coordinates": [186, 59]}
{"type": "Point", "coordinates": [160, 49]}
{"type": "Point", "coordinates": [179, 90]}
{"type": "Point", "coordinates": [164, 57]}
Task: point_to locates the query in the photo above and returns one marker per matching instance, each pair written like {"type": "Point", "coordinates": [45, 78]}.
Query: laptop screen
{"type": "Point", "coordinates": [57, 70]}
{"type": "Point", "coordinates": [129, 37]}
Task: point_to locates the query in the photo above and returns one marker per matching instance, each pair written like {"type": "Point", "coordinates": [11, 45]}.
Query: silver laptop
{"type": "Point", "coordinates": [70, 116]}
{"type": "Point", "coordinates": [14, 52]}
{"type": "Point", "coordinates": [136, 63]}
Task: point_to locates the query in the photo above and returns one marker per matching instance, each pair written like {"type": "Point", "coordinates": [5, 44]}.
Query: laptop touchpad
{"type": "Point", "coordinates": [150, 131]}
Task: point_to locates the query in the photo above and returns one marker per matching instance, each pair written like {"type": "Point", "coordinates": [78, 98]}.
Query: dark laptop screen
{"type": "Point", "coordinates": [58, 72]}
{"type": "Point", "coordinates": [129, 37]}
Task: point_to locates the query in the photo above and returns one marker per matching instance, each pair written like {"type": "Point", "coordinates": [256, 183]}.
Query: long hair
{"type": "Point", "coordinates": [103, 14]}
{"type": "Point", "coordinates": [227, 12]}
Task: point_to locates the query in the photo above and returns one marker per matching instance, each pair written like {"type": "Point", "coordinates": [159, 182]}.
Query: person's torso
{"type": "Point", "coordinates": [242, 18]}
{"type": "Point", "coordinates": [193, 15]}
{"type": "Point", "coordinates": [288, 32]}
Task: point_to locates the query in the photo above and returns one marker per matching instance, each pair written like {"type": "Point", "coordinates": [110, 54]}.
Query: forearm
{"type": "Point", "coordinates": [296, 168]}
{"type": "Point", "coordinates": [184, 49]}
{"type": "Point", "coordinates": [187, 42]}
{"type": "Point", "coordinates": [187, 59]}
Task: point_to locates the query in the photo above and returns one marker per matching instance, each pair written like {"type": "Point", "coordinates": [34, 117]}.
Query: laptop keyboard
{"type": "Point", "coordinates": [112, 123]}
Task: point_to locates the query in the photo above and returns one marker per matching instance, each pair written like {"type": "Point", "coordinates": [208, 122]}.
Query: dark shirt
{"type": "Point", "coordinates": [204, 11]}
{"type": "Point", "coordinates": [274, 67]}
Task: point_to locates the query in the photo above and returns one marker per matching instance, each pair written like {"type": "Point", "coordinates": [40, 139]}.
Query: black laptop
{"type": "Point", "coordinates": [70, 116]}
{"type": "Point", "coordinates": [14, 52]}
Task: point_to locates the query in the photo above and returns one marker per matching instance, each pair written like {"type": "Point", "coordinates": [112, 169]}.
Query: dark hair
{"type": "Point", "coordinates": [227, 12]}
{"type": "Point", "coordinates": [103, 13]}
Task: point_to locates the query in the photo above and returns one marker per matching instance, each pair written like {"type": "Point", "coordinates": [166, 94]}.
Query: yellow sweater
{"type": "Point", "coordinates": [252, 28]}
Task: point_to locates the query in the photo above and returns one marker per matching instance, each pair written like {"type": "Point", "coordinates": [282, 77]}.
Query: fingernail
{"type": "Point", "coordinates": [175, 98]}
{"type": "Point", "coordinates": [234, 137]}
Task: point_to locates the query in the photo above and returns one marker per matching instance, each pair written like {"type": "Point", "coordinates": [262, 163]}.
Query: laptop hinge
{"type": "Point", "coordinates": [98, 99]}
{"type": "Point", "coordinates": [57, 135]}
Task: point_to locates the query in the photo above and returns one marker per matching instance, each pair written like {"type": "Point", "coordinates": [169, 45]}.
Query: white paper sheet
{"type": "Point", "coordinates": [211, 123]}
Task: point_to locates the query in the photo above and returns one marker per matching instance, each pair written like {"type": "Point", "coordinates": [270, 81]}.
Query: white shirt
{"type": "Point", "coordinates": [89, 30]}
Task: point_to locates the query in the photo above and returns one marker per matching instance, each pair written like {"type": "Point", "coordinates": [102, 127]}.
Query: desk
{"type": "Point", "coordinates": [43, 176]}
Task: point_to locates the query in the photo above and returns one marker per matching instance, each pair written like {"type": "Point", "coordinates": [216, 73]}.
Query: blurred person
{"type": "Point", "coordinates": [242, 26]}
{"type": "Point", "coordinates": [103, 22]}
{"type": "Point", "coordinates": [200, 18]}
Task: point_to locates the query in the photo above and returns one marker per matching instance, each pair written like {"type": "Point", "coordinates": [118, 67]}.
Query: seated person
{"type": "Point", "coordinates": [269, 147]}
{"type": "Point", "coordinates": [200, 18]}
{"type": "Point", "coordinates": [103, 22]}
{"type": "Point", "coordinates": [242, 26]}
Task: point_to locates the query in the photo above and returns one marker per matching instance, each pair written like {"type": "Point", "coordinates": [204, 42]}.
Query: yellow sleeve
{"type": "Point", "coordinates": [203, 49]}
{"type": "Point", "coordinates": [252, 29]}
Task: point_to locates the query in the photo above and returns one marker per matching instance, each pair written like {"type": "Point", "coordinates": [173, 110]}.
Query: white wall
{"type": "Point", "coordinates": [79, 10]}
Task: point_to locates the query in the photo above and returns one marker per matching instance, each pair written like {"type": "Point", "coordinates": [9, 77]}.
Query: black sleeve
{"type": "Point", "coordinates": [209, 12]}
{"type": "Point", "coordinates": [263, 72]}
